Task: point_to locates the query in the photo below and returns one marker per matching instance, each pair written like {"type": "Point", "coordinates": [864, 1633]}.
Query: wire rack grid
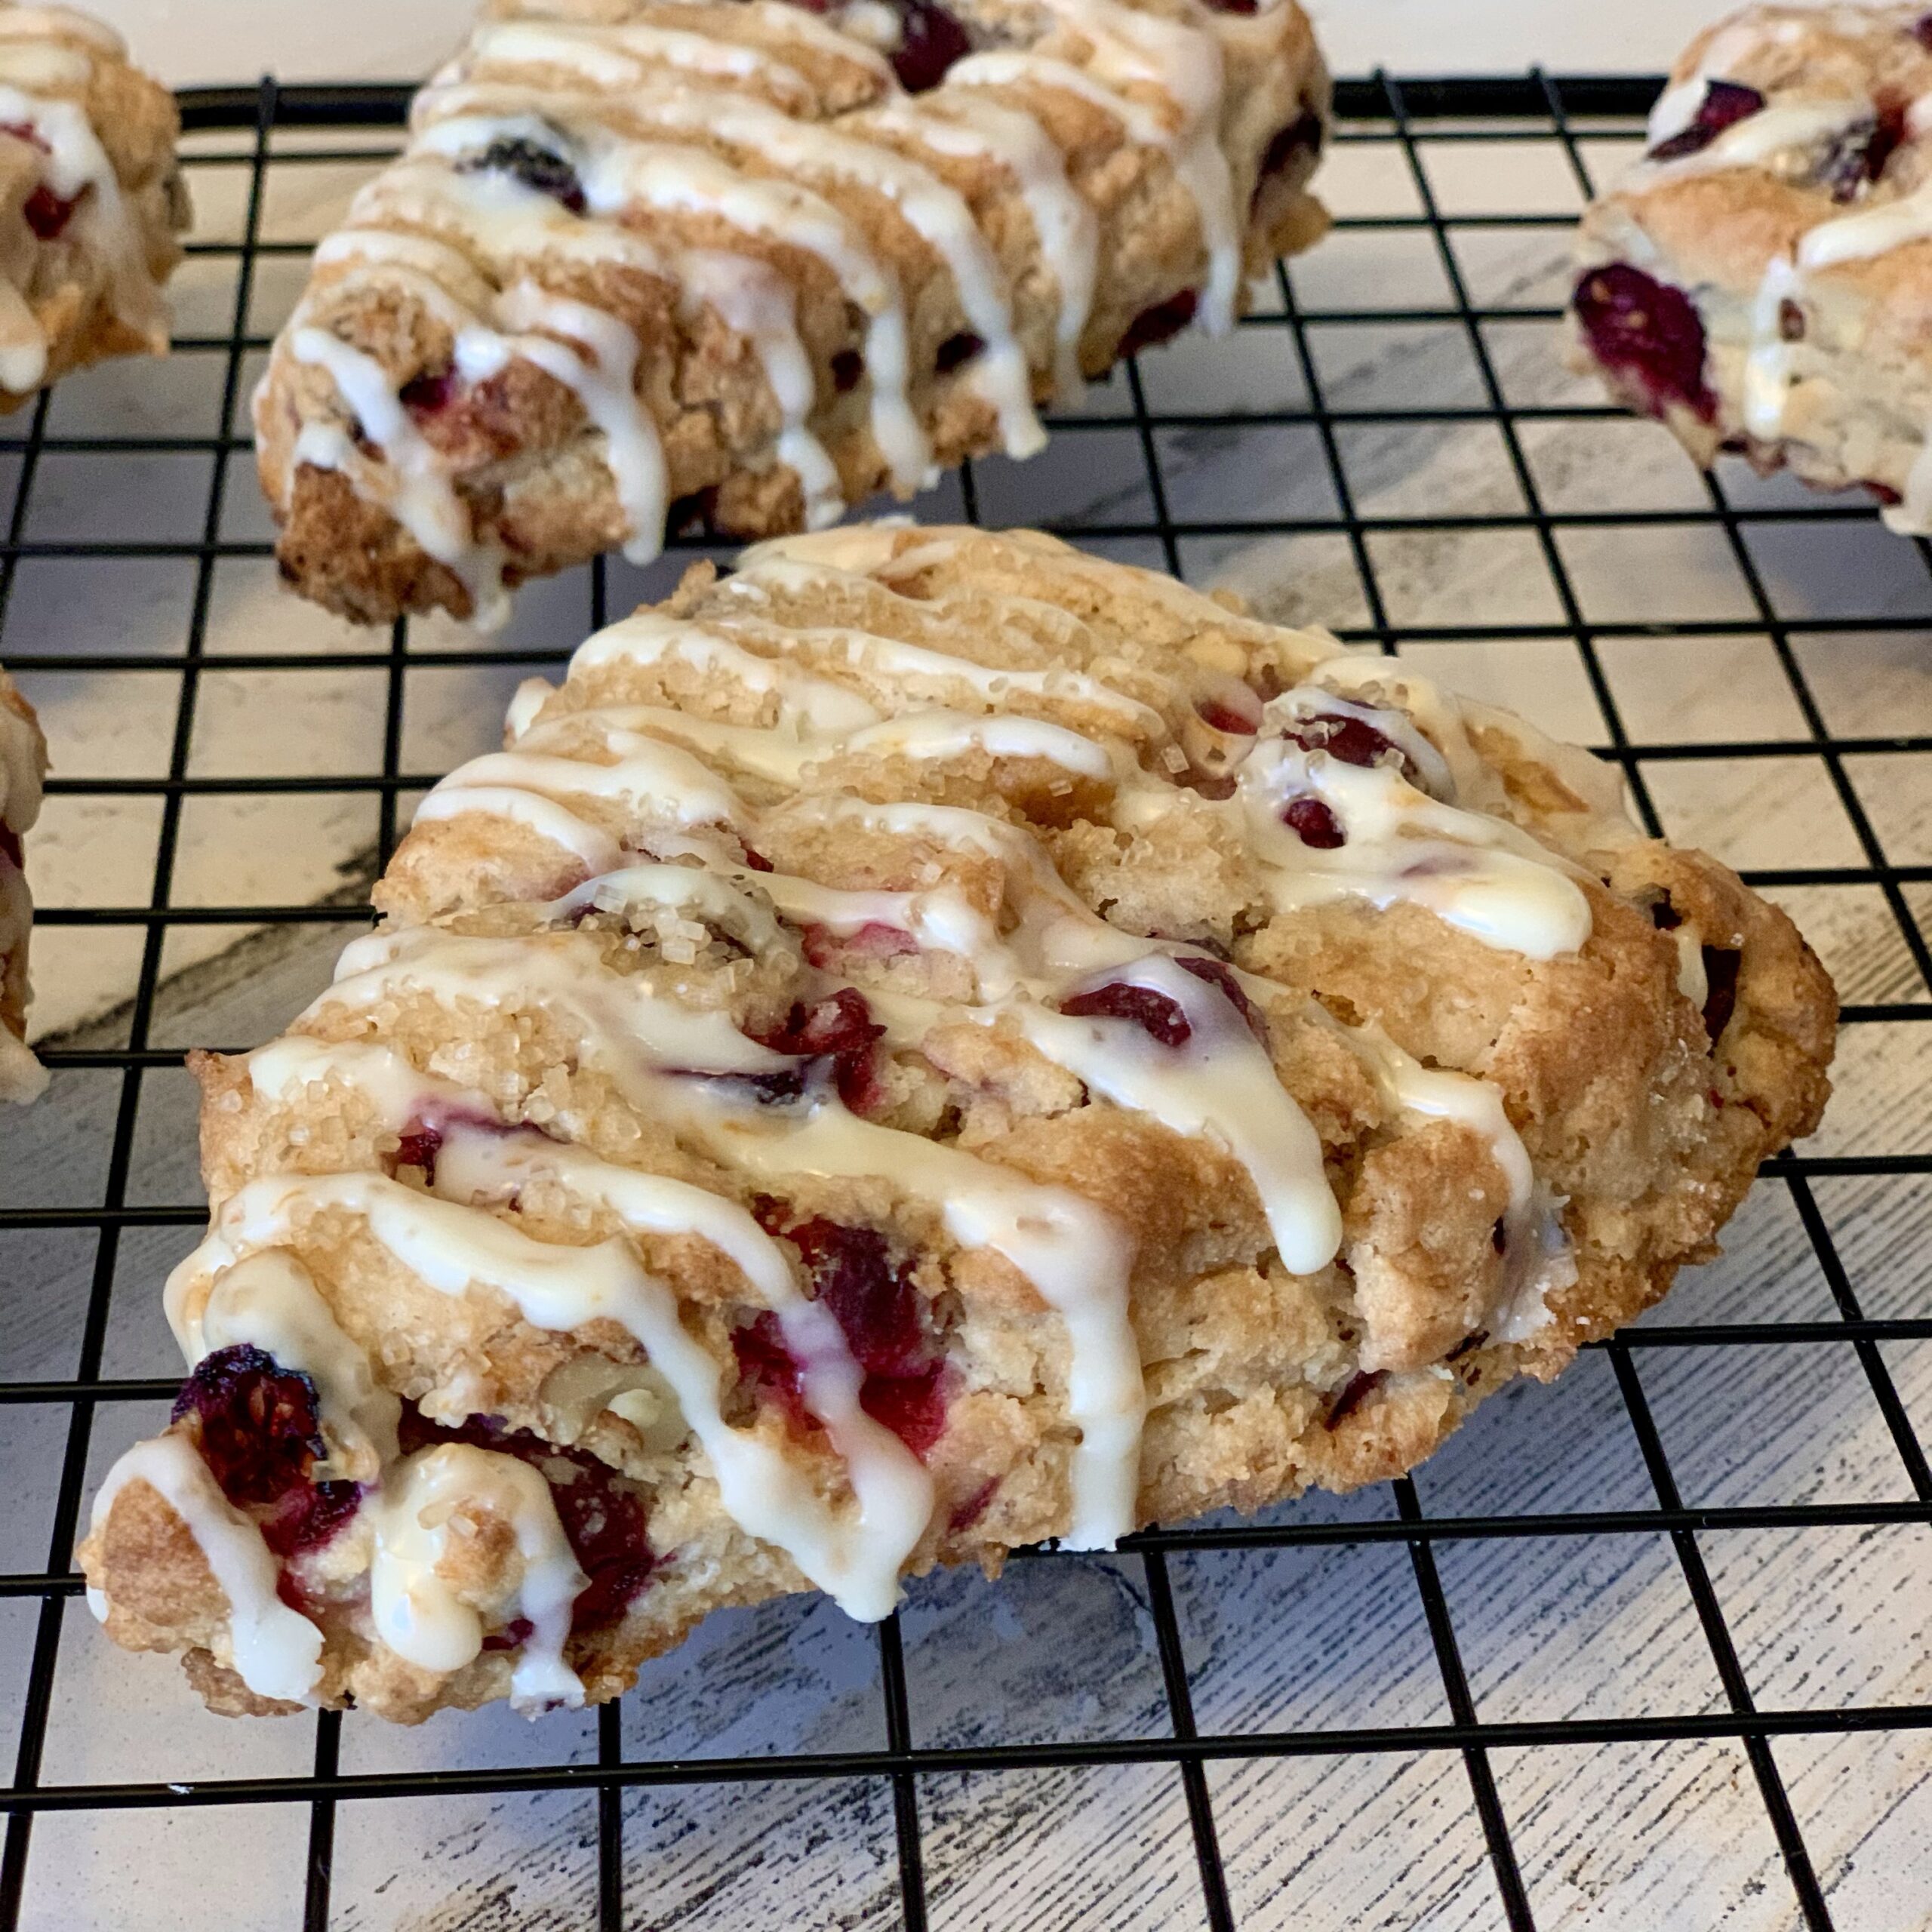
{"type": "Point", "coordinates": [1812, 790]}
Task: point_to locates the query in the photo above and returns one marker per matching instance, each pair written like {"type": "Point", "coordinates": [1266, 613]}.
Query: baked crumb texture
{"type": "Point", "coordinates": [649, 260]}
{"type": "Point", "coordinates": [90, 199]}
{"type": "Point", "coordinates": [22, 768]}
{"type": "Point", "coordinates": [1761, 280]}
{"type": "Point", "coordinates": [928, 1043]}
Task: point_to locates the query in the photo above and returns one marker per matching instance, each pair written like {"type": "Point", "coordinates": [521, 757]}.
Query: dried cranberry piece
{"type": "Point", "coordinates": [1647, 333]}
{"type": "Point", "coordinates": [1883, 493]}
{"type": "Point", "coordinates": [873, 1299]}
{"type": "Point", "coordinates": [1214, 973]}
{"type": "Point", "coordinates": [842, 1026]}
{"type": "Point", "coordinates": [417, 1146]}
{"type": "Point", "coordinates": [1664, 915]}
{"type": "Point", "coordinates": [1721, 965]}
{"type": "Point", "coordinates": [1160, 324]}
{"type": "Point", "coordinates": [848, 366]}
{"type": "Point", "coordinates": [929, 40]}
{"type": "Point", "coordinates": [1920, 30]}
{"type": "Point", "coordinates": [257, 1427]}
{"type": "Point", "coordinates": [966, 1514]}
{"type": "Point", "coordinates": [873, 940]}
{"type": "Point", "coordinates": [428, 394]}
{"type": "Point", "coordinates": [48, 213]}
{"type": "Point", "coordinates": [1153, 1013]}
{"type": "Point", "coordinates": [523, 160]}
{"type": "Point", "coordinates": [957, 350]}
{"type": "Point", "coordinates": [1234, 6]}
{"type": "Point", "coordinates": [1724, 104]}
{"type": "Point", "coordinates": [1353, 740]}
{"type": "Point", "coordinates": [757, 861]}
{"type": "Point", "coordinates": [913, 1407]}
{"type": "Point", "coordinates": [1859, 155]}
{"type": "Point", "coordinates": [1314, 824]}
{"type": "Point", "coordinates": [1218, 716]}
{"type": "Point", "coordinates": [1304, 135]}
{"type": "Point", "coordinates": [767, 1367]}
{"type": "Point", "coordinates": [512, 1636]}
{"type": "Point", "coordinates": [604, 1514]}
{"type": "Point", "coordinates": [1358, 1388]}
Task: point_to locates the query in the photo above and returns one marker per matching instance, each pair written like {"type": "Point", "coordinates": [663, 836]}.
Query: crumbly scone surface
{"type": "Point", "coordinates": [1762, 279]}
{"type": "Point", "coordinates": [644, 260]}
{"type": "Point", "coordinates": [928, 1043]}
{"type": "Point", "coordinates": [90, 199]}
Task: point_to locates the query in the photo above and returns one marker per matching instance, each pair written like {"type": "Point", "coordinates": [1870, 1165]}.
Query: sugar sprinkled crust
{"type": "Point", "coordinates": [643, 257]}
{"type": "Point", "coordinates": [22, 766]}
{"type": "Point", "coordinates": [90, 199]}
{"type": "Point", "coordinates": [929, 1042]}
{"type": "Point", "coordinates": [1759, 280]}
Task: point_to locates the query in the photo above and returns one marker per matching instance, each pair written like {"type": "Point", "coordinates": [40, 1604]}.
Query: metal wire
{"type": "Point", "coordinates": [1403, 119]}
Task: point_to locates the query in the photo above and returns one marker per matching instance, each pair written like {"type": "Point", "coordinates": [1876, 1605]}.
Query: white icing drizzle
{"type": "Point", "coordinates": [1130, 47]}
{"type": "Point", "coordinates": [417, 1611]}
{"type": "Point", "coordinates": [758, 304]}
{"type": "Point", "coordinates": [1220, 1083]}
{"type": "Point", "coordinates": [1478, 873]}
{"type": "Point", "coordinates": [1066, 228]}
{"type": "Point", "coordinates": [619, 56]}
{"type": "Point", "coordinates": [597, 361]}
{"type": "Point", "coordinates": [452, 799]}
{"type": "Point", "coordinates": [276, 1651]}
{"type": "Point", "coordinates": [935, 213]}
{"type": "Point", "coordinates": [412, 483]}
{"type": "Point", "coordinates": [858, 1561]}
{"type": "Point", "coordinates": [270, 1300]}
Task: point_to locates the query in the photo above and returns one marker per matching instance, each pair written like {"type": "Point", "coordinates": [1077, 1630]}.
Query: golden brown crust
{"type": "Point", "coordinates": [1641, 1129]}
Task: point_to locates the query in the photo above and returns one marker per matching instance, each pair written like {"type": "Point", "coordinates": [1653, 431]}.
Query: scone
{"type": "Point", "coordinates": [1762, 279]}
{"type": "Point", "coordinates": [928, 1043]}
{"type": "Point", "coordinates": [90, 199]}
{"type": "Point", "coordinates": [645, 259]}
{"type": "Point", "coordinates": [22, 768]}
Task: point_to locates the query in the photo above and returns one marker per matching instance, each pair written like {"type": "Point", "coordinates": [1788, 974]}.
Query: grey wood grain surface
{"type": "Point", "coordinates": [1550, 1629]}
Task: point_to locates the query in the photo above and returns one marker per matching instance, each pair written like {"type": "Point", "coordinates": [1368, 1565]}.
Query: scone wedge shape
{"type": "Point", "coordinates": [645, 258]}
{"type": "Point", "coordinates": [929, 1042]}
{"type": "Point", "coordinates": [1760, 279]}
{"type": "Point", "coordinates": [90, 199]}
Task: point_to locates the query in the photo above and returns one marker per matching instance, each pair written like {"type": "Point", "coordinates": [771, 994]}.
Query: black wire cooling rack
{"type": "Point", "coordinates": [263, 136]}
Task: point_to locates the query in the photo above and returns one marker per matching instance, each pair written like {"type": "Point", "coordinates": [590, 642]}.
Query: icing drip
{"type": "Point", "coordinates": [1219, 1083]}
{"type": "Point", "coordinates": [271, 1301]}
{"type": "Point", "coordinates": [1066, 229]}
{"type": "Point", "coordinates": [417, 1611]}
{"type": "Point", "coordinates": [276, 1652]}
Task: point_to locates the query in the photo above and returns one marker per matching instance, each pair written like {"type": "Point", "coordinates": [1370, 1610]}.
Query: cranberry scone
{"type": "Point", "coordinates": [90, 199]}
{"type": "Point", "coordinates": [1756, 280]}
{"type": "Point", "coordinates": [928, 1043]}
{"type": "Point", "coordinates": [22, 770]}
{"type": "Point", "coordinates": [646, 259]}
